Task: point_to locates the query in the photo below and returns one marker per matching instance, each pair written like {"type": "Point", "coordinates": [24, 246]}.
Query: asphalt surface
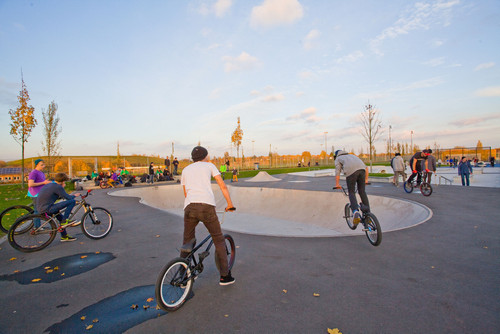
{"type": "Point", "coordinates": [442, 276]}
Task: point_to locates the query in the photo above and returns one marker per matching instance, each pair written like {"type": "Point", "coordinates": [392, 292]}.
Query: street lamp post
{"type": "Point", "coordinates": [411, 145]}
{"type": "Point", "coordinates": [390, 141]}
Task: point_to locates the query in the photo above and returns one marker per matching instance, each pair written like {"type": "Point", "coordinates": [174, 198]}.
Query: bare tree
{"type": "Point", "coordinates": [51, 130]}
{"type": "Point", "coordinates": [23, 122]}
{"type": "Point", "coordinates": [236, 138]}
{"type": "Point", "coordinates": [370, 120]}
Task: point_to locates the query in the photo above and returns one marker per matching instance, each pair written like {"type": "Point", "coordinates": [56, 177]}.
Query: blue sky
{"type": "Point", "coordinates": [149, 73]}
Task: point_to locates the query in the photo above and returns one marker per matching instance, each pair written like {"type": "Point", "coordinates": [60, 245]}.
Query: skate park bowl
{"type": "Point", "coordinates": [286, 212]}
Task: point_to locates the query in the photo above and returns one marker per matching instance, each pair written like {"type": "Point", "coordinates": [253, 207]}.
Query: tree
{"type": "Point", "coordinates": [371, 127]}
{"type": "Point", "coordinates": [236, 138]}
{"type": "Point", "coordinates": [23, 122]}
{"type": "Point", "coordinates": [51, 130]}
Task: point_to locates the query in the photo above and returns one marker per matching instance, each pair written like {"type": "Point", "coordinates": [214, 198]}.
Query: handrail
{"type": "Point", "coordinates": [445, 180]}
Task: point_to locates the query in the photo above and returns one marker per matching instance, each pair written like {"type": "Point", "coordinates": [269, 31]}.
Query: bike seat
{"type": "Point", "coordinates": [188, 247]}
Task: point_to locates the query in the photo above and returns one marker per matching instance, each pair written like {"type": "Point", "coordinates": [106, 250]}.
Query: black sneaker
{"type": "Point", "coordinates": [226, 280]}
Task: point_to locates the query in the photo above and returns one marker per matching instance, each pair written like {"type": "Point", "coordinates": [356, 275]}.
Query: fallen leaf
{"type": "Point", "coordinates": [49, 271]}
{"type": "Point", "coordinates": [36, 280]}
{"type": "Point", "coordinates": [285, 291]}
{"type": "Point", "coordinates": [157, 235]}
{"type": "Point", "coordinates": [98, 252]}
{"type": "Point", "coordinates": [13, 258]}
{"type": "Point", "coordinates": [433, 267]}
{"type": "Point", "coordinates": [316, 294]}
{"type": "Point", "coordinates": [149, 300]}
{"type": "Point", "coordinates": [145, 307]}
{"type": "Point", "coordinates": [134, 307]}
{"type": "Point", "coordinates": [226, 315]}
{"type": "Point", "coordinates": [485, 247]}
{"type": "Point", "coordinates": [89, 327]}
{"type": "Point", "coordinates": [334, 331]}
{"type": "Point", "coordinates": [46, 268]}
{"type": "Point", "coordinates": [16, 271]}
{"type": "Point", "coordinates": [83, 256]}
{"type": "Point", "coordinates": [63, 274]}
{"type": "Point", "coordinates": [83, 318]}
{"type": "Point", "coordinates": [95, 320]}
{"type": "Point", "coordinates": [157, 307]}
{"type": "Point", "coordinates": [56, 268]}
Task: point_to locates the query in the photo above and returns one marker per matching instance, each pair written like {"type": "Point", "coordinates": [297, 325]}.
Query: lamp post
{"type": "Point", "coordinates": [411, 146]}
{"type": "Point", "coordinates": [390, 141]}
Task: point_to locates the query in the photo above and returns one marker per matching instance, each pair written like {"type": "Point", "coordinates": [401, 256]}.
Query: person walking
{"type": "Point", "coordinates": [223, 170]}
{"type": "Point", "coordinates": [199, 205]}
{"type": "Point", "coordinates": [464, 170]}
{"type": "Point", "coordinates": [176, 165]}
{"type": "Point", "coordinates": [398, 166]}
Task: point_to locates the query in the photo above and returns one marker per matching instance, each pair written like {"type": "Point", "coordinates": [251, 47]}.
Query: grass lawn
{"type": "Point", "coordinates": [13, 194]}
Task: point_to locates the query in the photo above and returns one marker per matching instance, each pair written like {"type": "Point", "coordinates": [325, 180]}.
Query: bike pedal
{"type": "Point", "coordinates": [203, 255]}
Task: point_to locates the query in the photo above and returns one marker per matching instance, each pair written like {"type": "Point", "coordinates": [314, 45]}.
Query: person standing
{"type": "Point", "coordinates": [199, 205]}
{"type": "Point", "coordinates": [464, 170]}
{"type": "Point", "coordinates": [151, 173]}
{"type": "Point", "coordinates": [176, 165]}
{"type": "Point", "coordinates": [431, 164]}
{"type": "Point", "coordinates": [492, 161]}
{"type": "Point", "coordinates": [167, 163]}
{"type": "Point", "coordinates": [223, 170]}
{"type": "Point", "coordinates": [398, 166]}
{"type": "Point", "coordinates": [36, 180]}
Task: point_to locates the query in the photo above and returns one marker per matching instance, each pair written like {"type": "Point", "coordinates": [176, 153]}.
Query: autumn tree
{"type": "Point", "coordinates": [23, 122]}
{"type": "Point", "coordinates": [236, 138]}
{"type": "Point", "coordinates": [370, 120]}
{"type": "Point", "coordinates": [51, 130]}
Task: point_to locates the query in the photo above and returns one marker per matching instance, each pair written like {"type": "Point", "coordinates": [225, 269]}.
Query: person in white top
{"type": "Point", "coordinates": [199, 205]}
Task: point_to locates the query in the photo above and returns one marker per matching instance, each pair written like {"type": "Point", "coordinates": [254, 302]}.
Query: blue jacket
{"type": "Point", "coordinates": [464, 168]}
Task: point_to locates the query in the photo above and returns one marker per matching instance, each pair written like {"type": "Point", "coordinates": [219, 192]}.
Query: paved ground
{"type": "Point", "coordinates": [438, 277]}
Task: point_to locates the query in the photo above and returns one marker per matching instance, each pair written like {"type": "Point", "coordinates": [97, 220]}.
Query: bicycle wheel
{"type": "Point", "coordinates": [426, 189]}
{"type": "Point", "coordinates": [408, 187]}
{"type": "Point", "coordinates": [97, 223]}
{"type": "Point", "coordinates": [25, 237]}
{"type": "Point", "coordinates": [174, 285]}
{"type": "Point", "coordinates": [230, 251]}
{"type": "Point", "coordinates": [103, 184]}
{"type": "Point", "coordinates": [348, 216]}
{"type": "Point", "coordinates": [372, 229]}
{"type": "Point", "coordinates": [10, 215]}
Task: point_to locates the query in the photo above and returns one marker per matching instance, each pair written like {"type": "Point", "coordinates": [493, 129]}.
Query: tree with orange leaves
{"type": "Point", "coordinates": [236, 138]}
{"type": "Point", "coordinates": [23, 122]}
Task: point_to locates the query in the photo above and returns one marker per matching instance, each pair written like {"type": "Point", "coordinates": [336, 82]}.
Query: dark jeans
{"type": "Point", "coordinates": [193, 214]}
{"type": "Point", "coordinates": [357, 178]}
{"type": "Point", "coordinates": [465, 179]}
{"type": "Point", "coordinates": [418, 174]}
{"type": "Point", "coordinates": [67, 205]}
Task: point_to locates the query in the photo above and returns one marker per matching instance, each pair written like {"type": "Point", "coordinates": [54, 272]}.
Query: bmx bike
{"type": "Point", "coordinates": [27, 236]}
{"type": "Point", "coordinates": [175, 282]}
{"type": "Point", "coordinates": [370, 223]}
{"type": "Point", "coordinates": [425, 188]}
{"type": "Point", "coordinates": [11, 214]}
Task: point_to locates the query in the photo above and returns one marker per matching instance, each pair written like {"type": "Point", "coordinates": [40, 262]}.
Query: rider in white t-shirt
{"type": "Point", "coordinates": [199, 205]}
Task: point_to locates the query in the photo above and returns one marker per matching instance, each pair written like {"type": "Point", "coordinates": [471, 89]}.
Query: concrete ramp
{"type": "Point", "coordinates": [263, 177]}
{"type": "Point", "coordinates": [286, 212]}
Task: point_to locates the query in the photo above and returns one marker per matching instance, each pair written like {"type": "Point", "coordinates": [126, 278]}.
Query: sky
{"type": "Point", "coordinates": [152, 74]}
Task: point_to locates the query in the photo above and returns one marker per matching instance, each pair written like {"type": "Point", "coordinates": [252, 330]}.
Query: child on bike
{"type": "Point", "coordinates": [46, 202]}
{"type": "Point", "coordinates": [356, 173]}
{"type": "Point", "coordinates": [199, 205]}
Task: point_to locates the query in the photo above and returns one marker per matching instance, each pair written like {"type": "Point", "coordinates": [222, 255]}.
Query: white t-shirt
{"type": "Point", "coordinates": [196, 178]}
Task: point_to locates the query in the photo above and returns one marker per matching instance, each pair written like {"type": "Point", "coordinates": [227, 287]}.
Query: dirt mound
{"type": "Point", "coordinates": [263, 177]}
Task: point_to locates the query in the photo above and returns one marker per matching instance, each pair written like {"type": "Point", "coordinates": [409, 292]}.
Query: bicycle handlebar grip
{"type": "Point", "coordinates": [231, 209]}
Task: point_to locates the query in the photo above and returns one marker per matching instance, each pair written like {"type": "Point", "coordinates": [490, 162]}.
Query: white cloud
{"type": "Point", "coordinates": [273, 98]}
{"type": "Point", "coordinates": [350, 58]}
{"type": "Point", "coordinates": [276, 12]}
{"type": "Point", "coordinates": [243, 62]}
{"type": "Point", "coordinates": [308, 115]}
{"type": "Point", "coordinates": [422, 16]}
{"type": "Point", "coordinates": [484, 66]}
{"type": "Point", "coordinates": [474, 120]}
{"type": "Point", "coordinates": [311, 39]}
{"type": "Point", "coordinates": [306, 75]}
{"type": "Point", "coordinates": [488, 92]}
{"type": "Point", "coordinates": [221, 7]}
{"type": "Point", "coordinates": [435, 62]}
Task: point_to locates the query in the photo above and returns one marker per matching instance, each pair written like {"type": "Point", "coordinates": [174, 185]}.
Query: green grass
{"type": "Point", "coordinates": [13, 194]}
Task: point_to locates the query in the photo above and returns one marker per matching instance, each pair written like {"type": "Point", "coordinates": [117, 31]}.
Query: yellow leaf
{"type": "Point", "coordinates": [149, 300]}
{"type": "Point", "coordinates": [49, 271]}
{"type": "Point", "coordinates": [157, 235]}
{"type": "Point", "coordinates": [56, 268]}
{"type": "Point", "coordinates": [83, 318]}
{"type": "Point", "coordinates": [316, 294]}
{"type": "Point", "coordinates": [157, 307]}
{"type": "Point", "coordinates": [63, 274]}
{"type": "Point", "coordinates": [134, 306]}
{"type": "Point", "coordinates": [485, 247]}
{"type": "Point", "coordinates": [16, 271]}
{"type": "Point", "coordinates": [334, 331]}
{"type": "Point", "coordinates": [285, 291]}
{"type": "Point", "coordinates": [89, 327]}
{"type": "Point", "coordinates": [433, 267]}
{"type": "Point", "coordinates": [83, 256]}
{"type": "Point", "coordinates": [145, 307]}
{"type": "Point", "coordinates": [95, 320]}
{"type": "Point", "coordinates": [13, 258]}
{"type": "Point", "coordinates": [98, 252]}
{"type": "Point", "coordinates": [46, 268]}
{"type": "Point", "coordinates": [36, 280]}
{"type": "Point", "coordinates": [226, 315]}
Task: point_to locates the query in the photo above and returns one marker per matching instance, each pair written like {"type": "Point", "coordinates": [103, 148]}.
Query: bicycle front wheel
{"type": "Point", "coordinates": [230, 251]}
{"type": "Point", "coordinates": [426, 189]}
{"type": "Point", "coordinates": [348, 216]}
{"type": "Point", "coordinates": [408, 187]}
{"type": "Point", "coordinates": [26, 237]}
{"type": "Point", "coordinates": [97, 223]}
{"type": "Point", "coordinates": [10, 215]}
{"type": "Point", "coordinates": [174, 285]}
{"type": "Point", "coordinates": [372, 229]}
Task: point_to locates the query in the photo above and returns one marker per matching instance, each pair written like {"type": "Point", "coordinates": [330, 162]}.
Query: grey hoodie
{"type": "Point", "coordinates": [349, 163]}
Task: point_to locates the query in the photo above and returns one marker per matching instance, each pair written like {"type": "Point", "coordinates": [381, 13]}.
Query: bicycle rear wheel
{"type": "Point", "coordinates": [97, 223]}
{"type": "Point", "coordinates": [408, 187]}
{"type": "Point", "coordinates": [10, 215]}
{"type": "Point", "coordinates": [230, 251]}
{"type": "Point", "coordinates": [372, 229]}
{"type": "Point", "coordinates": [348, 217]}
{"type": "Point", "coordinates": [25, 237]}
{"type": "Point", "coordinates": [426, 189]}
{"type": "Point", "coordinates": [174, 285]}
